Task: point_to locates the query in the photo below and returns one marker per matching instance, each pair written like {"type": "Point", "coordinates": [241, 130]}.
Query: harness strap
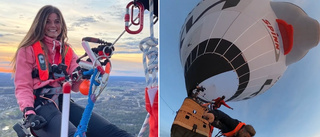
{"type": "Point", "coordinates": [235, 130]}
{"type": "Point", "coordinates": [51, 91]}
{"type": "Point", "coordinates": [27, 109]}
{"type": "Point", "coordinates": [47, 95]}
{"type": "Point", "coordinates": [45, 70]}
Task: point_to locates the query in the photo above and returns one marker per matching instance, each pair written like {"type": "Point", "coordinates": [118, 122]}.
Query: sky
{"type": "Point", "coordinates": [94, 18]}
{"type": "Point", "coordinates": [291, 108]}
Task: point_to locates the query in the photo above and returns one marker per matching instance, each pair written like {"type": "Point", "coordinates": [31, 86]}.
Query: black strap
{"type": "Point", "coordinates": [60, 101]}
{"type": "Point", "coordinates": [63, 53]}
{"type": "Point", "coordinates": [35, 73]}
{"type": "Point", "coordinates": [38, 100]}
{"type": "Point", "coordinates": [27, 109]}
{"type": "Point", "coordinates": [60, 69]}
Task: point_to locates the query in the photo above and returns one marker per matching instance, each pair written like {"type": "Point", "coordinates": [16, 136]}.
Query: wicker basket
{"type": "Point", "coordinates": [189, 122]}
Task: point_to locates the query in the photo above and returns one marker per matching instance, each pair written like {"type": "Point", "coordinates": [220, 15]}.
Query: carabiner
{"type": "Point", "coordinates": [140, 17]}
{"type": "Point", "coordinates": [132, 20]}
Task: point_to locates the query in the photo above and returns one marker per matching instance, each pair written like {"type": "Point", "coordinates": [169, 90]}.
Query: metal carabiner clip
{"type": "Point", "coordinates": [140, 17]}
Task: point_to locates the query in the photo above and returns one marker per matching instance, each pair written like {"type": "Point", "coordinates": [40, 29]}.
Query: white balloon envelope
{"type": "Point", "coordinates": [240, 49]}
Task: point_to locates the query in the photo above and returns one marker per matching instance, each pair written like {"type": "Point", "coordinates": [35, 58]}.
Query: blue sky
{"type": "Point", "coordinates": [98, 18]}
{"type": "Point", "coordinates": [290, 108]}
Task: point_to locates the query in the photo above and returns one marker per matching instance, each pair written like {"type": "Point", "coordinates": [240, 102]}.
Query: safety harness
{"type": "Point", "coordinates": [47, 71]}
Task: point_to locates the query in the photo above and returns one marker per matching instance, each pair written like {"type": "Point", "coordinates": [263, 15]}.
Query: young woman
{"type": "Point", "coordinates": [229, 127]}
{"type": "Point", "coordinates": [42, 58]}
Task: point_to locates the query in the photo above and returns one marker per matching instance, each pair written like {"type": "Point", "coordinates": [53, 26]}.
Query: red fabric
{"type": "Point", "coordinates": [68, 57]}
{"type": "Point", "coordinates": [66, 88]}
{"type": "Point", "coordinates": [153, 111]}
{"type": "Point", "coordinates": [211, 130]}
{"type": "Point", "coordinates": [286, 31]}
{"type": "Point", "coordinates": [57, 55]}
{"type": "Point", "coordinates": [43, 73]}
{"type": "Point", "coordinates": [218, 101]}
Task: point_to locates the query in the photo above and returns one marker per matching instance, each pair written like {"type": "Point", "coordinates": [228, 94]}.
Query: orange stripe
{"type": "Point", "coordinates": [108, 68]}
{"type": "Point", "coordinates": [68, 57]}
{"type": "Point", "coordinates": [233, 132]}
{"type": "Point", "coordinates": [6, 70]}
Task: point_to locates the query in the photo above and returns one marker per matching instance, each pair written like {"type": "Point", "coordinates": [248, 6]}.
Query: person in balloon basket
{"type": "Point", "coordinates": [220, 101]}
{"type": "Point", "coordinates": [217, 103]}
{"type": "Point", "coordinates": [229, 127]}
{"type": "Point", "coordinates": [42, 60]}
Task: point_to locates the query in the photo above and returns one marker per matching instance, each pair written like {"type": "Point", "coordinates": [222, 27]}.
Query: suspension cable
{"type": "Point", "coordinates": [150, 52]}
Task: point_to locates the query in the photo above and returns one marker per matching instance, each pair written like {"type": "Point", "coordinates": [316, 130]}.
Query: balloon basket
{"type": "Point", "coordinates": [189, 122]}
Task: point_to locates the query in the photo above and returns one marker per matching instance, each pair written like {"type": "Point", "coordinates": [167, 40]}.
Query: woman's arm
{"type": "Point", "coordinates": [23, 79]}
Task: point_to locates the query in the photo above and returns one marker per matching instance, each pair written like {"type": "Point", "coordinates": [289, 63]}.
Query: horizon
{"type": "Point", "coordinates": [9, 73]}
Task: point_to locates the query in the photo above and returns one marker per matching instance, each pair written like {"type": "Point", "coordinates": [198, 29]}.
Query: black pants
{"type": "Point", "coordinates": [223, 121]}
{"type": "Point", "coordinates": [97, 127]}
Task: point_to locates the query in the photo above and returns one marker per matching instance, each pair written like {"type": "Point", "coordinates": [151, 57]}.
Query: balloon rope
{"type": "Point", "coordinates": [150, 52]}
{"type": "Point", "coordinates": [86, 115]}
{"type": "Point", "coordinates": [144, 126]}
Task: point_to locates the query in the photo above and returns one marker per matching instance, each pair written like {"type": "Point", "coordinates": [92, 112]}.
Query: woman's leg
{"type": "Point", "coordinates": [53, 117]}
{"type": "Point", "coordinates": [98, 126]}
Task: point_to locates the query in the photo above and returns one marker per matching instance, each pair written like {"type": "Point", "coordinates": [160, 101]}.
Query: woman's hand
{"type": "Point", "coordinates": [36, 121]}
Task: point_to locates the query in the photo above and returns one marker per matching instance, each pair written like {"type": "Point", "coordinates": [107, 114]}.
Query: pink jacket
{"type": "Point", "coordinates": [23, 81]}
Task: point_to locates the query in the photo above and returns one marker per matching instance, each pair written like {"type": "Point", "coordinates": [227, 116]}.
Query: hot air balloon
{"type": "Point", "coordinates": [240, 49]}
{"type": "Point", "coordinates": [237, 49]}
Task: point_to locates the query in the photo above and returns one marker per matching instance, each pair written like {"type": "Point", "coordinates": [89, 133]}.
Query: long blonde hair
{"type": "Point", "coordinates": [37, 31]}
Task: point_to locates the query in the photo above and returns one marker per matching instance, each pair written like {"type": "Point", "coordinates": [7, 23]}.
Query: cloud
{"type": "Point", "coordinates": [127, 72]}
{"type": "Point", "coordinates": [84, 21]}
{"type": "Point", "coordinates": [128, 48]}
{"type": "Point", "coordinates": [104, 36]}
{"type": "Point", "coordinates": [128, 52]}
{"type": "Point", "coordinates": [130, 45]}
{"type": "Point", "coordinates": [4, 62]}
{"type": "Point", "coordinates": [116, 12]}
{"type": "Point", "coordinates": [5, 66]}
